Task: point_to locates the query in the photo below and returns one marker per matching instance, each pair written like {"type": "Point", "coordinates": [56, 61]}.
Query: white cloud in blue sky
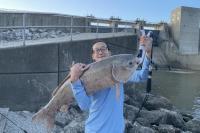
{"type": "Point", "coordinates": [152, 11]}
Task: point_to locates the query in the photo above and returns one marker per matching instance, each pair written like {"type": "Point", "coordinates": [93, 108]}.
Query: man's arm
{"type": "Point", "coordinates": [78, 89]}
{"type": "Point", "coordinates": [141, 75]}
{"type": "Point", "coordinates": [80, 95]}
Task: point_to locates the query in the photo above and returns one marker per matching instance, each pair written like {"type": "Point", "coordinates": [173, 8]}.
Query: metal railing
{"type": "Point", "coordinates": [22, 34]}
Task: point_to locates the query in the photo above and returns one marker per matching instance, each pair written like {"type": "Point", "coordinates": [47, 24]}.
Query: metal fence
{"type": "Point", "coordinates": [75, 27]}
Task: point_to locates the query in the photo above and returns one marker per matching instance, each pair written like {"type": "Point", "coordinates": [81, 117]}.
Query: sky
{"type": "Point", "coordinates": [148, 10]}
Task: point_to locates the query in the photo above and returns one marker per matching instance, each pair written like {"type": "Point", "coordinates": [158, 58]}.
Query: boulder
{"type": "Point", "coordinates": [193, 125]}
{"type": "Point", "coordinates": [137, 128]}
{"type": "Point", "coordinates": [155, 102]}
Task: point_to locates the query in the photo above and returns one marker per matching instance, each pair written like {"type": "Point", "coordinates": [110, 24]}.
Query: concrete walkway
{"type": "Point", "coordinates": [66, 38]}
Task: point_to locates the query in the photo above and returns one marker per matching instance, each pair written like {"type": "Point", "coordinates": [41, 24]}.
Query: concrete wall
{"type": "Point", "coordinates": [174, 55]}
{"type": "Point", "coordinates": [189, 33]}
{"type": "Point", "coordinates": [29, 74]}
{"type": "Point", "coordinates": [178, 60]}
{"type": "Point", "coordinates": [181, 47]}
{"type": "Point", "coordinates": [175, 24]}
{"type": "Point", "coordinates": [185, 23]}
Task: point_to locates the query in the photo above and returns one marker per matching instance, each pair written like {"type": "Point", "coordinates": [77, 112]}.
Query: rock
{"type": "Point", "coordinates": [44, 34]}
{"type": "Point", "coordinates": [74, 113]}
{"type": "Point", "coordinates": [186, 116]}
{"type": "Point", "coordinates": [25, 114]}
{"type": "Point", "coordinates": [145, 118]}
{"type": "Point", "coordinates": [28, 34]}
{"type": "Point", "coordinates": [144, 122]}
{"type": "Point", "coordinates": [63, 119]}
{"type": "Point", "coordinates": [156, 102]}
{"type": "Point", "coordinates": [33, 30]}
{"type": "Point", "coordinates": [130, 101]}
{"type": "Point", "coordinates": [193, 126]}
{"type": "Point", "coordinates": [74, 127]}
{"type": "Point", "coordinates": [161, 116]}
{"type": "Point", "coordinates": [28, 38]}
{"type": "Point", "coordinates": [18, 33]}
{"type": "Point", "coordinates": [58, 32]}
{"type": "Point", "coordinates": [52, 34]}
{"type": "Point", "coordinates": [40, 30]}
{"type": "Point", "coordinates": [62, 34]}
{"type": "Point", "coordinates": [130, 112]}
{"type": "Point", "coordinates": [134, 94]}
{"type": "Point", "coordinates": [36, 36]}
{"type": "Point", "coordinates": [58, 129]}
{"type": "Point", "coordinates": [128, 126]}
{"type": "Point", "coordinates": [137, 128]}
{"type": "Point", "coordinates": [173, 118]}
{"type": "Point", "coordinates": [151, 117]}
{"type": "Point", "coordinates": [164, 128]}
{"type": "Point", "coordinates": [23, 120]}
{"type": "Point", "coordinates": [186, 132]}
{"type": "Point", "coordinates": [126, 98]}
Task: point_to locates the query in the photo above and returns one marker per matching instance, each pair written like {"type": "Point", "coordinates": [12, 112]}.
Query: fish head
{"type": "Point", "coordinates": [123, 66]}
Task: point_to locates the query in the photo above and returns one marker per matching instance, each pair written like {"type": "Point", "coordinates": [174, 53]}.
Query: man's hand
{"type": "Point", "coordinates": [148, 46]}
{"type": "Point", "coordinates": [76, 70]}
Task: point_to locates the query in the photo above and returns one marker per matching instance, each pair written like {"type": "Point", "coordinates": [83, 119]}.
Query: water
{"type": "Point", "coordinates": [181, 87]}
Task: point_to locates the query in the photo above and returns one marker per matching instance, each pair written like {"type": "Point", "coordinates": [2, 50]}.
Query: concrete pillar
{"type": "Point", "coordinates": [87, 24]}
{"type": "Point", "coordinates": [114, 25]}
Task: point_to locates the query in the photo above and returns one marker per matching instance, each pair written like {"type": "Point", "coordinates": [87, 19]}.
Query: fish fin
{"type": "Point", "coordinates": [56, 90]}
{"type": "Point", "coordinates": [45, 118]}
{"type": "Point", "coordinates": [117, 91]}
{"type": "Point", "coordinates": [115, 73]}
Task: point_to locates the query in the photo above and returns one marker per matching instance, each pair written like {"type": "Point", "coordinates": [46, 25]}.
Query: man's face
{"type": "Point", "coordinates": [100, 51]}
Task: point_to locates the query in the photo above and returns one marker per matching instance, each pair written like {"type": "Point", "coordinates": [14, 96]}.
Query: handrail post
{"type": "Point", "coordinates": [1, 36]}
{"type": "Point", "coordinates": [23, 30]}
{"type": "Point", "coordinates": [97, 29]}
{"type": "Point", "coordinates": [113, 28]}
{"type": "Point", "coordinates": [71, 30]}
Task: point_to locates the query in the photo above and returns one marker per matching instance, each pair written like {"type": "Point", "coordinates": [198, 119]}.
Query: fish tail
{"type": "Point", "coordinates": [44, 117]}
{"type": "Point", "coordinates": [56, 90]}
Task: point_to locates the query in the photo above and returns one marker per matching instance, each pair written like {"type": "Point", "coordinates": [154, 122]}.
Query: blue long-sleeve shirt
{"type": "Point", "coordinates": [105, 109]}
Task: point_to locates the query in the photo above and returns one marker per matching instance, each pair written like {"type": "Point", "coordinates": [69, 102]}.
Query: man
{"type": "Point", "coordinates": [105, 110]}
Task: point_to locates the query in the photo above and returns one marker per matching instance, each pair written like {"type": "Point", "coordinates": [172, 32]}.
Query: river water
{"type": "Point", "coordinates": [181, 87]}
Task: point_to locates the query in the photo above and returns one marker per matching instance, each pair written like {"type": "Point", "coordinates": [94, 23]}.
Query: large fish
{"type": "Point", "coordinates": [102, 74]}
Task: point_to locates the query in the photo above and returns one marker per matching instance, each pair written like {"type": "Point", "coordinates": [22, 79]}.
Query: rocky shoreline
{"type": "Point", "coordinates": [9, 35]}
{"type": "Point", "coordinates": [157, 116]}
